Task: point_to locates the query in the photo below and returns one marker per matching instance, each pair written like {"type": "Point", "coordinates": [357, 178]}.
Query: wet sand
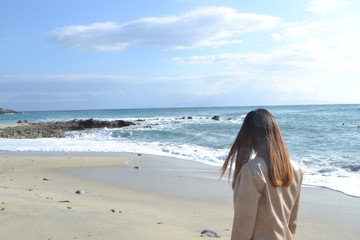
{"type": "Point", "coordinates": [140, 197]}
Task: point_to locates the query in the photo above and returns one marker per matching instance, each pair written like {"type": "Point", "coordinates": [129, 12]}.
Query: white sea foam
{"type": "Point", "coordinates": [92, 141]}
{"type": "Point", "coordinates": [333, 178]}
{"type": "Point", "coordinates": [345, 183]}
{"type": "Point", "coordinates": [324, 140]}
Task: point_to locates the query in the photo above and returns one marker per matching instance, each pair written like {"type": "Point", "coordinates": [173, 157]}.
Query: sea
{"type": "Point", "coordinates": [323, 139]}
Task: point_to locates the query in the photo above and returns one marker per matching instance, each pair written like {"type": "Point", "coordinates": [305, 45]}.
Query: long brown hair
{"type": "Point", "coordinates": [260, 133]}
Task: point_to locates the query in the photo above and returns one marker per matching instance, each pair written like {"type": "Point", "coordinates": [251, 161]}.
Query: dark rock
{"type": "Point", "coordinates": [23, 121]}
{"type": "Point", "coordinates": [57, 129]}
{"type": "Point", "coordinates": [91, 123]}
{"type": "Point", "coordinates": [352, 168]}
{"type": "Point", "coordinates": [216, 117]}
{"type": "Point", "coordinates": [189, 118]}
{"type": "Point", "coordinates": [115, 210]}
{"type": "Point", "coordinates": [80, 192]}
{"type": "Point", "coordinates": [7, 111]}
{"type": "Point", "coordinates": [210, 233]}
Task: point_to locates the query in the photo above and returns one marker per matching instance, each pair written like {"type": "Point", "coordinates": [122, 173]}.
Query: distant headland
{"type": "Point", "coordinates": [7, 111]}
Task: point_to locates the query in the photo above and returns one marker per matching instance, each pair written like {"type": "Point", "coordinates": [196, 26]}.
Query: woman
{"type": "Point", "coordinates": [266, 188]}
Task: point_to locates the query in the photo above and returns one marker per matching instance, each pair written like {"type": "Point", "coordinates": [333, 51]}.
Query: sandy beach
{"type": "Point", "coordinates": [6, 125]}
{"type": "Point", "coordinates": [140, 197]}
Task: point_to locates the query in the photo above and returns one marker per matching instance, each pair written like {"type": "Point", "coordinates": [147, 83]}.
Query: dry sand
{"type": "Point", "coordinates": [164, 199]}
{"type": "Point", "coordinates": [6, 125]}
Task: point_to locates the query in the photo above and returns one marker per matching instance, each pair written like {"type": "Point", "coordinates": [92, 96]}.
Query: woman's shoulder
{"type": "Point", "coordinates": [297, 170]}
{"type": "Point", "coordinates": [257, 166]}
{"type": "Point", "coordinates": [256, 162]}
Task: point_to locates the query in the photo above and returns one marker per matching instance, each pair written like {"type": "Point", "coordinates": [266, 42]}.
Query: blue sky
{"type": "Point", "coordinates": [85, 54]}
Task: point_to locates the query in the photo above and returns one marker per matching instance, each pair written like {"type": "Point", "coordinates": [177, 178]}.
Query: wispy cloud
{"type": "Point", "coordinates": [324, 6]}
{"type": "Point", "coordinates": [63, 78]}
{"type": "Point", "coordinates": [205, 26]}
{"type": "Point", "coordinates": [113, 86]}
{"type": "Point", "coordinates": [315, 61]}
{"type": "Point", "coordinates": [258, 60]}
{"type": "Point", "coordinates": [310, 45]}
{"type": "Point", "coordinates": [329, 45]}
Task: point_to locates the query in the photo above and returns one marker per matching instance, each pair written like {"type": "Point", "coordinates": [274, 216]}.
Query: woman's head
{"type": "Point", "coordinates": [260, 133]}
{"type": "Point", "coordinates": [261, 129]}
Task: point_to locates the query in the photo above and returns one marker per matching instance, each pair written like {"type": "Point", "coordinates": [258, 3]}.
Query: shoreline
{"type": "Point", "coordinates": [132, 154]}
{"type": "Point", "coordinates": [38, 194]}
{"type": "Point", "coordinates": [169, 177]}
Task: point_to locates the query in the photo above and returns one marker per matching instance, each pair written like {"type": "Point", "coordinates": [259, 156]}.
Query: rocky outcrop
{"type": "Point", "coordinates": [4, 111]}
{"type": "Point", "coordinates": [57, 129]}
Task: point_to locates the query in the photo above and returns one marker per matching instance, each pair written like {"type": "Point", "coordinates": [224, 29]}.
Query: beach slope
{"type": "Point", "coordinates": [140, 197]}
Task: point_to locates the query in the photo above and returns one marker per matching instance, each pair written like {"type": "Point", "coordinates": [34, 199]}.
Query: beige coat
{"type": "Point", "coordinates": [263, 212]}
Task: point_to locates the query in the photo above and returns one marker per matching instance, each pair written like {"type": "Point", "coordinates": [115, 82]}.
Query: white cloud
{"type": "Point", "coordinates": [65, 78]}
{"type": "Point", "coordinates": [260, 61]}
{"type": "Point", "coordinates": [217, 83]}
{"type": "Point", "coordinates": [202, 84]}
{"type": "Point", "coordinates": [316, 61]}
{"type": "Point", "coordinates": [310, 45]}
{"type": "Point", "coordinates": [324, 6]}
{"type": "Point", "coordinates": [206, 26]}
{"type": "Point", "coordinates": [330, 45]}
{"type": "Point", "coordinates": [276, 36]}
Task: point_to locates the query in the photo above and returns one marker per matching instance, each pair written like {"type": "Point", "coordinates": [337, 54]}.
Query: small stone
{"type": "Point", "coordinates": [115, 211]}
{"type": "Point", "coordinates": [210, 233]}
{"type": "Point", "coordinates": [80, 192]}
{"type": "Point", "coordinates": [23, 121]}
{"type": "Point", "coordinates": [46, 179]}
{"type": "Point", "coordinates": [137, 167]}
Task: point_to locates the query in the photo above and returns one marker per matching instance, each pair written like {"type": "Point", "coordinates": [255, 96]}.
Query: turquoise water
{"type": "Point", "coordinates": [323, 139]}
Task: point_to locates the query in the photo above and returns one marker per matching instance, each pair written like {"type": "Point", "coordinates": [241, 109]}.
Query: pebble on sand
{"type": "Point", "coordinates": [80, 192]}
{"type": "Point", "coordinates": [115, 210]}
{"type": "Point", "coordinates": [210, 233]}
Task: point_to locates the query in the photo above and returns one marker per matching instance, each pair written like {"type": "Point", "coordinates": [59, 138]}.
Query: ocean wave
{"type": "Point", "coordinates": [345, 179]}
{"type": "Point", "coordinates": [322, 139]}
